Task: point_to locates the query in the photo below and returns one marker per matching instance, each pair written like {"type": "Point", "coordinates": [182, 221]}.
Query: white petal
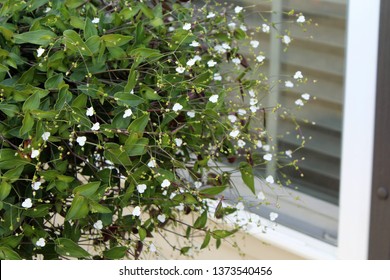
{"type": "Point", "coordinates": [141, 188]}
{"type": "Point", "coordinates": [41, 242]}
{"type": "Point", "coordinates": [255, 43]}
{"type": "Point", "coordinates": [210, 15]}
{"type": "Point", "coordinates": [289, 153]}
{"type": "Point", "coordinates": [34, 153]}
{"type": "Point", "coordinates": [273, 216]}
{"type": "Point", "coordinates": [128, 113]}
{"type": "Point", "coordinates": [237, 9]}
{"type": "Point", "coordinates": [260, 196]}
{"type": "Point", "coordinates": [288, 84]}
{"type": "Point", "coordinates": [45, 136]}
{"type": "Point", "coordinates": [81, 140]}
{"type": "Point", "coordinates": [305, 96]}
{"type": "Point", "coordinates": [27, 203]}
{"type": "Point", "coordinates": [267, 157]}
{"type": "Point", "coordinates": [96, 126]}
{"type": "Point", "coordinates": [234, 133]}
{"type": "Point", "coordinates": [177, 107]}
{"type": "Point", "coordinates": [241, 143]}
{"type": "Point", "coordinates": [298, 75]}
{"type": "Point", "coordinates": [180, 69]}
{"type": "Point", "coordinates": [270, 179]}
{"type": "Point", "coordinates": [232, 118]}
{"type": "Point", "coordinates": [136, 211]}
{"type": "Point", "coordinates": [301, 19]}
{"type": "Point", "coordinates": [236, 61]}
{"type": "Point", "coordinates": [166, 183]}
{"type": "Point", "coordinates": [211, 63]}
{"type": "Point", "coordinates": [286, 39]}
{"type": "Point", "coordinates": [194, 44]}
{"type": "Point", "coordinates": [240, 206]}
{"type": "Point", "coordinates": [161, 218]}
{"type": "Point", "coordinates": [187, 26]}
{"type": "Point", "coordinates": [98, 225]}
{"type": "Point", "coordinates": [40, 51]}
{"type": "Point", "coordinates": [299, 102]}
{"type": "Point", "coordinates": [260, 58]}
{"type": "Point", "coordinates": [36, 185]}
{"type": "Point", "coordinates": [214, 98]}
{"type": "Point", "coordinates": [191, 114]}
{"type": "Point", "coordinates": [96, 20]}
{"type": "Point", "coordinates": [178, 142]}
{"type": "Point", "coordinates": [152, 163]}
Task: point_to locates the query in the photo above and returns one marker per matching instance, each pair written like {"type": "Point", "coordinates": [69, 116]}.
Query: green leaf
{"type": "Point", "coordinates": [146, 11]}
{"type": "Point", "coordinates": [138, 125]}
{"type": "Point", "coordinates": [54, 82]}
{"type": "Point", "coordinates": [38, 211]}
{"type": "Point", "coordinates": [213, 191]}
{"type": "Point", "coordinates": [64, 178]}
{"type": "Point", "coordinates": [5, 189]}
{"type": "Point", "coordinates": [124, 98]}
{"type": "Point", "coordinates": [87, 190]}
{"type": "Point", "coordinates": [116, 40]}
{"type": "Point", "coordinates": [27, 124]}
{"type": "Point", "coordinates": [64, 97]}
{"type": "Point", "coordinates": [79, 208]}
{"type": "Point", "coordinates": [206, 240]}
{"type": "Point", "coordinates": [89, 29]}
{"type": "Point", "coordinates": [32, 103]}
{"type": "Point", "coordinates": [138, 148]}
{"type": "Point", "coordinates": [221, 233]}
{"type": "Point", "coordinates": [145, 53]}
{"type": "Point", "coordinates": [115, 253]}
{"type": "Point", "coordinates": [98, 208]}
{"type": "Point", "coordinates": [131, 80]}
{"type": "Point", "coordinates": [247, 176]}
{"type": "Point", "coordinates": [93, 44]}
{"type": "Point", "coordinates": [8, 254]}
{"type": "Point", "coordinates": [13, 174]}
{"type": "Point", "coordinates": [9, 109]}
{"type": "Point", "coordinates": [74, 3]}
{"type": "Point", "coordinates": [68, 248]}
{"type": "Point", "coordinates": [201, 221]}
{"type": "Point", "coordinates": [11, 241]}
{"type": "Point", "coordinates": [73, 41]}
{"type": "Point", "coordinates": [80, 101]}
{"type": "Point", "coordinates": [142, 233]}
{"type": "Point", "coordinates": [38, 37]}
{"type": "Point", "coordinates": [149, 93]}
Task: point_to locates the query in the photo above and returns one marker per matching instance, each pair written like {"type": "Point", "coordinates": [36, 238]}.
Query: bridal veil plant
{"type": "Point", "coordinates": [115, 118]}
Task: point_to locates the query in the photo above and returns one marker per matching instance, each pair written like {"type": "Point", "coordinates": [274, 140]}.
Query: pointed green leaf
{"type": "Point", "coordinates": [32, 103]}
{"type": "Point", "coordinates": [9, 109]}
{"type": "Point", "coordinates": [38, 37]}
{"type": "Point", "coordinates": [89, 29]}
{"type": "Point", "coordinates": [206, 240]}
{"type": "Point", "coordinates": [67, 248]}
{"type": "Point", "coordinates": [201, 221]}
{"type": "Point", "coordinates": [126, 98]}
{"type": "Point", "coordinates": [98, 208]}
{"type": "Point", "coordinates": [79, 208]}
{"type": "Point", "coordinates": [87, 190]}
{"type": "Point", "coordinates": [8, 254]}
{"type": "Point", "coordinates": [5, 189]}
{"type": "Point", "coordinates": [247, 176]}
{"type": "Point", "coordinates": [139, 124]}
{"type": "Point", "coordinates": [27, 124]}
{"type": "Point", "coordinates": [116, 40]}
{"type": "Point", "coordinates": [115, 253]}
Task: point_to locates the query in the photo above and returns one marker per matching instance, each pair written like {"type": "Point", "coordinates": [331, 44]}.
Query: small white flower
{"type": "Point", "coordinates": [289, 153]}
{"type": "Point", "coordinates": [152, 248]}
{"type": "Point", "coordinates": [166, 183]}
{"type": "Point", "coordinates": [81, 140]}
{"type": "Point", "coordinates": [214, 98]}
{"type": "Point", "coordinates": [178, 142]}
{"type": "Point", "coordinates": [232, 25]}
{"type": "Point", "coordinates": [267, 157]}
{"type": "Point", "coordinates": [241, 143]}
{"type": "Point", "coordinates": [211, 63]}
{"type": "Point", "coordinates": [27, 203]}
{"type": "Point", "coordinates": [177, 107]}
{"type": "Point", "coordinates": [273, 216]}
{"type": "Point", "coordinates": [187, 26]}
{"type": "Point", "coordinates": [217, 77]}
{"type": "Point", "coordinates": [236, 61]}
{"type": "Point", "coordinates": [210, 15]}
{"type": "Point", "coordinates": [98, 225]}
{"type": "Point", "coordinates": [305, 96]}
{"type": "Point", "coordinates": [253, 101]}
{"type": "Point", "coordinates": [240, 206]}
{"type": "Point", "coordinates": [197, 184]}
{"type": "Point", "coordinates": [259, 144]}
{"type": "Point", "coordinates": [45, 136]}
{"type": "Point", "coordinates": [96, 20]}
{"type": "Point", "coordinates": [266, 148]}
{"type": "Point", "coordinates": [197, 58]}
{"type": "Point", "coordinates": [298, 75]}
{"type": "Point", "coordinates": [90, 111]}
{"type": "Point", "coordinates": [234, 133]}
{"type": "Point", "coordinates": [232, 118]}
{"type": "Point", "coordinates": [254, 108]}
{"type": "Point", "coordinates": [286, 39]}
{"type": "Point", "coordinates": [96, 126]}
{"type": "Point", "coordinates": [41, 242]}
{"type": "Point", "coordinates": [260, 196]}
{"type": "Point", "coordinates": [141, 188]}
{"type": "Point", "coordinates": [40, 51]}
{"type": "Point", "coordinates": [34, 153]}
{"type": "Point", "coordinates": [254, 43]}
{"type": "Point", "coordinates": [219, 49]}
{"type": "Point", "coordinates": [301, 19]}
{"type": "Point", "coordinates": [161, 218]}
{"type": "Point", "coordinates": [299, 102]}
{"type": "Point", "coordinates": [191, 114]}
{"type": "Point", "coordinates": [270, 179]}
{"type": "Point", "coordinates": [180, 69]}
{"type": "Point", "coordinates": [191, 62]}
{"type": "Point", "coordinates": [194, 44]}
{"type": "Point", "coordinates": [226, 46]}
{"type": "Point", "coordinates": [180, 207]}
{"type": "Point", "coordinates": [35, 186]}
{"type": "Point", "coordinates": [265, 28]}
{"type": "Point", "coordinates": [170, 18]}
{"type": "Point", "coordinates": [288, 84]}
{"type": "Point", "coordinates": [243, 28]}
{"type": "Point", "coordinates": [136, 211]}
{"type": "Point", "coordinates": [260, 58]}
{"type": "Point", "coordinates": [237, 9]}
{"type": "Point", "coordinates": [128, 113]}
{"type": "Point", "coordinates": [152, 163]}
{"type": "Point", "coordinates": [48, 9]}
{"type": "Point", "coordinates": [241, 112]}
{"type": "Point", "coordinates": [171, 28]}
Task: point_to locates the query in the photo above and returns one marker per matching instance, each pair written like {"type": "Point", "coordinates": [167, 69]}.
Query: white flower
{"type": "Point", "coordinates": [210, 15]}
{"type": "Point", "coordinates": [40, 51]}
{"type": "Point", "coordinates": [265, 28]}
{"type": "Point", "coordinates": [178, 142]}
{"type": "Point", "coordinates": [141, 188]}
{"type": "Point", "coordinates": [136, 211]}
{"type": "Point", "coordinates": [299, 102]}
{"type": "Point", "coordinates": [27, 203]}
{"type": "Point", "coordinates": [90, 111]}
{"type": "Point", "coordinates": [152, 248]}
{"type": "Point", "coordinates": [41, 242]}
{"type": "Point", "coordinates": [170, 18]}
{"type": "Point", "coordinates": [301, 19]}
{"type": "Point", "coordinates": [241, 112]}
{"type": "Point", "coordinates": [267, 157]}
{"type": "Point", "coordinates": [243, 28]}
{"type": "Point", "coordinates": [273, 216]}
{"type": "Point", "coordinates": [161, 218]}
{"type": "Point", "coordinates": [288, 84]}
{"type": "Point", "coordinates": [226, 46]}
{"type": "Point", "coordinates": [259, 144]}
{"type": "Point", "coordinates": [96, 126]}
{"type": "Point", "coordinates": [194, 44]}
{"type": "Point", "coordinates": [219, 49]}
{"type": "Point", "coordinates": [236, 61]}
{"type": "Point", "coordinates": [270, 179]}
{"type": "Point", "coordinates": [81, 140]}
{"type": "Point", "coordinates": [254, 108]}
{"type": "Point", "coordinates": [286, 39]}
{"type": "Point", "coordinates": [197, 58]}
{"type": "Point", "coordinates": [252, 93]}
{"type": "Point", "coordinates": [237, 9]}
{"type": "Point", "coordinates": [232, 118]}
{"type": "Point", "coordinates": [305, 96]}
{"type": "Point", "coordinates": [36, 185]}
{"type": "Point", "coordinates": [197, 184]}
{"type": "Point", "coordinates": [180, 69]}
{"type": "Point", "coordinates": [217, 77]}
{"type": "Point", "coordinates": [98, 225]}
{"type": "Point", "coordinates": [191, 114]}
{"type": "Point", "coordinates": [260, 196]}
{"type": "Point", "coordinates": [298, 75]}
{"type": "Point", "coordinates": [260, 58]}
{"type": "Point", "coordinates": [152, 163]}
{"type": "Point", "coordinates": [128, 113]}
{"type": "Point", "coordinates": [187, 26]}
{"type": "Point", "coordinates": [266, 148]}
{"type": "Point", "coordinates": [166, 183]}
{"type": "Point", "coordinates": [48, 9]}
{"type": "Point", "coordinates": [253, 101]}
{"type": "Point", "coordinates": [180, 207]}
{"type": "Point", "coordinates": [96, 20]}
{"type": "Point", "coordinates": [211, 63]}
{"type": "Point", "coordinates": [234, 133]}
{"type": "Point", "coordinates": [34, 153]}
{"type": "Point", "coordinates": [214, 98]}
{"type": "Point", "coordinates": [241, 143]}
{"type": "Point", "coordinates": [232, 25]}
{"type": "Point", "coordinates": [171, 28]}
{"type": "Point", "coordinates": [254, 43]}
{"type": "Point", "coordinates": [177, 107]}
{"type": "Point", "coordinates": [191, 62]}
{"type": "Point", "coordinates": [240, 206]}
{"type": "Point", "coordinates": [45, 136]}
{"type": "Point", "coordinates": [288, 153]}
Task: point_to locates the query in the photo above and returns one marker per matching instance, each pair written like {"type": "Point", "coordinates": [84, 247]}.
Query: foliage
{"type": "Point", "coordinates": [115, 117]}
